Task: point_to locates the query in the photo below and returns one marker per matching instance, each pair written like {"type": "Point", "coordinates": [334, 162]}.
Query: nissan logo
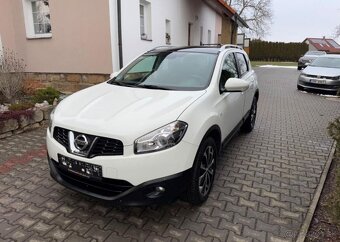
{"type": "Point", "coordinates": [81, 142]}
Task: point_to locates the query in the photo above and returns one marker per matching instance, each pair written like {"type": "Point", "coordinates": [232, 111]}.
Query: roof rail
{"type": "Point", "coordinates": [161, 47]}
{"type": "Point", "coordinates": [223, 47]}
{"type": "Point", "coordinates": [218, 45]}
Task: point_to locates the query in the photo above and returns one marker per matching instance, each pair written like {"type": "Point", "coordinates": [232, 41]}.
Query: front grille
{"type": "Point", "coordinates": [61, 135]}
{"type": "Point", "coordinates": [104, 186]}
{"type": "Point", "coordinates": [322, 77]}
{"type": "Point", "coordinates": [105, 146]}
{"type": "Point", "coordinates": [99, 146]}
{"type": "Point", "coordinates": [316, 85]}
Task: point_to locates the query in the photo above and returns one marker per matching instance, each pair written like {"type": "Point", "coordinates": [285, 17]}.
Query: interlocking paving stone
{"type": "Point", "coordinates": [265, 182]}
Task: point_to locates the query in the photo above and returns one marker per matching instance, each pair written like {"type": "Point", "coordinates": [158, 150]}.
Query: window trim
{"type": "Point", "coordinates": [237, 69]}
{"type": "Point", "coordinates": [29, 25]}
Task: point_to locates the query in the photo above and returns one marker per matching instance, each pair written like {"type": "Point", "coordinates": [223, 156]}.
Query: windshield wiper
{"type": "Point", "coordinates": [121, 84]}
{"type": "Point", "coordinates": [153, 87]}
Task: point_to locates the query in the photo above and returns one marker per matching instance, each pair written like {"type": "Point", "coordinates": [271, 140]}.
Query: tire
{"type": "Point", "coordinates": [300, 88]}
{"type": "Point", "coordinates": [249, 124]}
{"type": "Point", "coordinates": [203, 173]}
{"type": "Point", "coordinates": [299, 68]}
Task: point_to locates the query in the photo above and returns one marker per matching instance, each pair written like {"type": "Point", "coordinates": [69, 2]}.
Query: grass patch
{"type": "Point", "coordinates": [262, 63]}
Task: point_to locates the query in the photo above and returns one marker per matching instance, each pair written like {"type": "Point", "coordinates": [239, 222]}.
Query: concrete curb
{"type": "Point", "coordinates": [304, 228]}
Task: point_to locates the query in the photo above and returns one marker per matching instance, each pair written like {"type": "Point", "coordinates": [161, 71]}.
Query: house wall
{"type": "Point", "coordinates": [83, 48]}
{"type": "Point", "coordinates": [229, 32]}
{"type": "Point", "coordinates": [80, 40]}
{"type": "Point", "coordinates": [179, 12]}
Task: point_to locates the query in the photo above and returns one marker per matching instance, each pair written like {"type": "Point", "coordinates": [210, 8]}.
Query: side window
{"type": "Point", "coordinates": [229, 70]}
{"type": "Point", "coordinates": [242, 63]}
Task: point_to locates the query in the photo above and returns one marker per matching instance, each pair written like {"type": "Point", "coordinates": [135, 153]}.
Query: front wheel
{"type": "Point", "coordinates": [203, 172]}
{"type": "Point", "coordinates": [249, 124]}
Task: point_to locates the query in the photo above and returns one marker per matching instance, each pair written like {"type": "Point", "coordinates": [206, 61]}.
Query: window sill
{"type": "Point", "coordinates": [146, 39]}
{"type": "Point", "coordinates": [39, 36]}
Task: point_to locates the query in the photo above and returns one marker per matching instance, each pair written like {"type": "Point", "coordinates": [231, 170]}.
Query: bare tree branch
{"type": "Point", "coordinates": [257, 14]}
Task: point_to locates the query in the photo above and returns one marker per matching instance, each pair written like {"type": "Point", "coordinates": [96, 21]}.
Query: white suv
{"type": "Point", "coordinates": [154, 131]}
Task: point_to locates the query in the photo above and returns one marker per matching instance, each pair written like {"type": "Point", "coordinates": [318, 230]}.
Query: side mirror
{"type": "Point", "coordinates": [236, 85]}
{"type": "Point", "coordinates": [114, 74]}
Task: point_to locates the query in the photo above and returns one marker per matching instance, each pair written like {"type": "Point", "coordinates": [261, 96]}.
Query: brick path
{"type": "Point", "coordinates": [265, 183]}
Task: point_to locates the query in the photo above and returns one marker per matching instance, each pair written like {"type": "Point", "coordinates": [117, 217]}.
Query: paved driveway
{"type": "Point", "coordinates": [264, 185]}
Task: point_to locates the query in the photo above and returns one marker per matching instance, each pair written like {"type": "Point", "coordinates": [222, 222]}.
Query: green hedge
{"type": "Point", "coordinates": [276, 51]}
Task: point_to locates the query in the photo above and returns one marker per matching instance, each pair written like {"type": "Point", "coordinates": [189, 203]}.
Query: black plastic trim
{"type": "Point", "coordinates": [174, 186]}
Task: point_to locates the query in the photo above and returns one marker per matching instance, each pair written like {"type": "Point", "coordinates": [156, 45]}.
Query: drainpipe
{"type": "Point", "coordinates": [120, 45]}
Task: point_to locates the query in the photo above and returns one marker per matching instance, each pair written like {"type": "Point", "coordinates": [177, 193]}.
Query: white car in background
{"type": "Point", "coordinates": [308, 57]}
{"type": "Point", "coordinates": [154, 131]}
{"type": "Point", "coordinates": [322, 74]}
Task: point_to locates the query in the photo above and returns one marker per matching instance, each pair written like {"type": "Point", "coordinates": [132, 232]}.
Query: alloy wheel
{"type": "Point", "coordinates": [207, 170]}
{"type": "Point", "coordinates": [253, 114]}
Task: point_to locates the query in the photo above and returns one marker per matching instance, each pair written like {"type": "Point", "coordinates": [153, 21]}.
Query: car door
{"type": "Point", "coordinates": [245, 73]}
{"type": "Point", "coordinates": [230, 104]}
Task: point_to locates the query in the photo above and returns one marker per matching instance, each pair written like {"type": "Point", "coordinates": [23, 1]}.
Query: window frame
{"type": "Point", "coordinates": [237, 69]}
{"type": "Point", "coordinates": [147, 20]}
{"type": "Point", "coordinates": [29, 22]}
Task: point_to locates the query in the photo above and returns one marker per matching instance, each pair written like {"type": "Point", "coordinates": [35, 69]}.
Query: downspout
{"type": "Point", "coordinates": [120, 44]}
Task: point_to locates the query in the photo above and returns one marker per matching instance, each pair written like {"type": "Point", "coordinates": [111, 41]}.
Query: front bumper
{"type": "Point", "coordinates": [121, 192]}
{"type": "Point", "coordinates": [328, 85]}
{"type": "Point", "coordinates": [136, 175]}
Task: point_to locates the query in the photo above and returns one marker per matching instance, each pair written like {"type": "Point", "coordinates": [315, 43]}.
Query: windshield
{"type": "Point", "coordinates": [315, 53]}
{"type": "Point", "coordinates": [169, 70]}
{"type": "Point", "coordinates": [329, 62]}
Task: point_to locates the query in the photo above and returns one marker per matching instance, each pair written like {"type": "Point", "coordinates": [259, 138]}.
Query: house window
{"type": "Point", "coordinates": [145, 19]}
{"type": "Point", "coordinates": [167, 32]}
{"type": "Point", "coordinates": [37, 18]}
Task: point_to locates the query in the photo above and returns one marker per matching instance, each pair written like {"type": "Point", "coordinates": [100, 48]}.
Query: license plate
{"type": "Point", "coordinates": [317, 81]}
{"type": "Point", "coordinates": [80, 168]}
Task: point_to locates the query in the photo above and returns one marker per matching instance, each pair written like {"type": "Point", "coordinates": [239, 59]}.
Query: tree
{"type": "Point", "coordinates": [256, 13]}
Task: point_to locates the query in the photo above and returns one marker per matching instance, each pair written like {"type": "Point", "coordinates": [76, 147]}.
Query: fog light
{"type": "Point", "coordinates": [160, 189]}
{"type": "Point", "coordinates": [156, 193]}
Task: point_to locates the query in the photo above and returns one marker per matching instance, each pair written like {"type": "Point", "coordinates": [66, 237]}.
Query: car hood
{"type": "Point", "coordinates": [321, 71]}
{"type": "Point", "coordinates": [309, 57]}
{"type": "Point", "coordinates": [123, 113]}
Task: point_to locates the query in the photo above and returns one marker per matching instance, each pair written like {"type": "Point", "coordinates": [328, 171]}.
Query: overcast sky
{"type": "Point", "coordinates": [294, 20]}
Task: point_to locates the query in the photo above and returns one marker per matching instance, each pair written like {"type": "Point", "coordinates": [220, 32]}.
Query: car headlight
{"type": "Point", "coordinates": [162, 138]}
{"type": "Point", "coordinates": [50, 122]}
{"type": "Point", "coordinates": [303, 75]}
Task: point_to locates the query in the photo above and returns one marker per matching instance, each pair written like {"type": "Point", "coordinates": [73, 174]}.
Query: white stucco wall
{"type": "Point", "coordinates": [179, 12]}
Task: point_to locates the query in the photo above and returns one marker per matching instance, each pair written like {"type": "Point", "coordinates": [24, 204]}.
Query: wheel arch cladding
{"type": "Point", "coordinates": [215, 133]}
